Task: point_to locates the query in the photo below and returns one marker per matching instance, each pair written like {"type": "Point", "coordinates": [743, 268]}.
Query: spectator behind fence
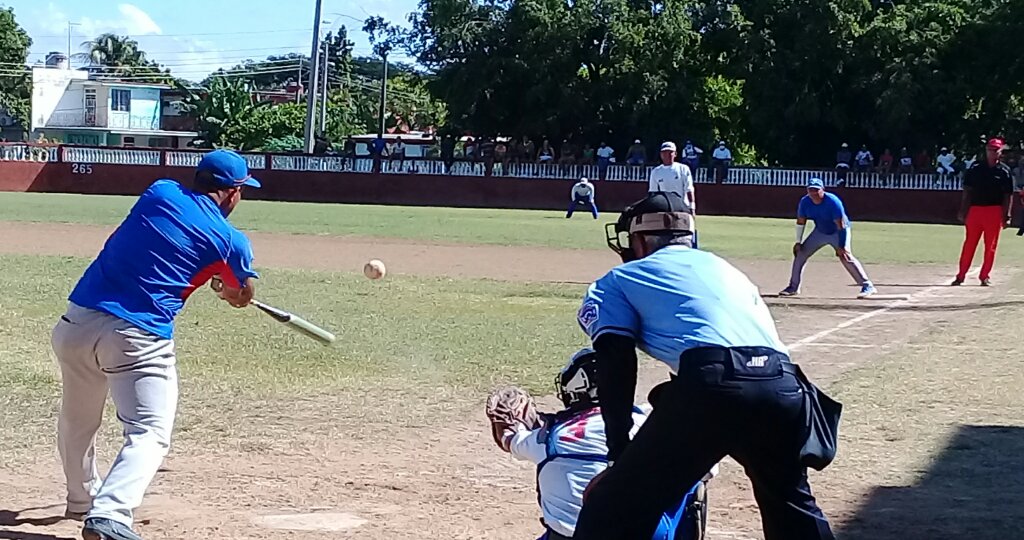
{"type": "Point", "coordinates": [637, 154]}
{"type": "Point", "coordinates": [501, 155]}
{"type": "Point", "coordinates": [944, 162]}
{"type": "Point", "coordinates": [885, 162]}
{"type": "Point", "coordinates": [691, 157]}
{"type": "Point", "coordinates": [721, 160]}
{"type": "Point", "coordinates": [397, 153]}
{"type": "Point", "coordinates": [448, 153]}
{"type": "Point", "coordinates": [604, 158]}
{"type": "Point", "coordinates": [567, 154]}
{"type": "Point", "coordinates": [906, 165]}
{"type": "Point", "coordinates": [529, 150]}
{"type": "Point", "coordinates": [844, 158]}
{"type": "Point", "coordinates": [864, 160]}
{"type": "Point", "coordinates": [587, 155]}
{"type": "Point", "coordinates": [923, 162]}
{"type": "Point", "coordinates": [546, 154]}
{"type": "Point", "coordinates": [487, 154]}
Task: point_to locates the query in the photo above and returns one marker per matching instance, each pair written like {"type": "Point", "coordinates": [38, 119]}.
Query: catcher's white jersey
{"type": "Point", "coordinates": [568, 458]}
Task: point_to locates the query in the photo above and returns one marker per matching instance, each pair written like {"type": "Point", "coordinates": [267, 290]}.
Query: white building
{"type": "Point", "coordinates": [71, 108]}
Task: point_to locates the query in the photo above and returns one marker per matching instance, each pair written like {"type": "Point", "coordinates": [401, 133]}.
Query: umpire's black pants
{"type": "Point", "coordinates": [731, 402]}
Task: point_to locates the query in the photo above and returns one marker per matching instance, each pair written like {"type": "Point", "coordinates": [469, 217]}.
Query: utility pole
{"type": "Point", "coordinates": [383, 94]}
{"type": "Point", "coordinates": [323, 92]}
{"type": "Point", "coordinates": [314, 60]}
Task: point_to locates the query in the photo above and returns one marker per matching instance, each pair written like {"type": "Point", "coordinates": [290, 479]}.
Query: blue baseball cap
{"type": "Point", "coordinates": [228, 169]}
{"type": "Point", "coordinates": [815, 183]}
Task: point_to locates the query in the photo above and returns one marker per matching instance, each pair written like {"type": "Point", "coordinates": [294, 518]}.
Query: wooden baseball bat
{"type": "Point", "coordinates": [293, 321]}
{"type": "Point", "coordinates": [296, 323]}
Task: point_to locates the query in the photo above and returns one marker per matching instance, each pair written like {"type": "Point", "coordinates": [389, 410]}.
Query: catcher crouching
{"type": "Point", "coordinates": [569, 449]}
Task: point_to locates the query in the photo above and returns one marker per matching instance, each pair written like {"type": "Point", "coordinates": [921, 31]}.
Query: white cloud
{"type": "Point", "coordinates": [131, 20]}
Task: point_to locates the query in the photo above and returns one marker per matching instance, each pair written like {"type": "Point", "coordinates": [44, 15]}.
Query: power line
{"type": "Point", "coordinates": [247, 32]}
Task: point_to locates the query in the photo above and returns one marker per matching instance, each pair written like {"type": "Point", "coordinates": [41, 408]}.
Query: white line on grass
{"type": "Point", "coordinates": [871, 314]}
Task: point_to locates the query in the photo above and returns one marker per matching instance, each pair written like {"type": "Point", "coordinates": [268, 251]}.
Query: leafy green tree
{"type": "Point", "coordinates": [220, 110]}
{"type": "Point", "coordinates": [15, 91]}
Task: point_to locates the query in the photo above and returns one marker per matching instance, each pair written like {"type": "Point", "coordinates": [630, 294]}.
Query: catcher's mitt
{"type": "Point", "coordinates": [508, 407]}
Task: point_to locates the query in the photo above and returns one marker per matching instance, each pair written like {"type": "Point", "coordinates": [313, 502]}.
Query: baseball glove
{"type": "Point", "coordinates": [507, 408]}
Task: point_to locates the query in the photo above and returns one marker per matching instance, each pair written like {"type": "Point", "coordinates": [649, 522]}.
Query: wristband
{"type": "Point", "coordinates": [800, 233]}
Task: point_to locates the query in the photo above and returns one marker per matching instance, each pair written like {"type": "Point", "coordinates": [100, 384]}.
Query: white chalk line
{"type": "Point", "coordinates": [872, 314]}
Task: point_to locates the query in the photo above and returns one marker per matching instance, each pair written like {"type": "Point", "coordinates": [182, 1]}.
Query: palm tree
{"type": "Point", "coordinates": [113, 51]}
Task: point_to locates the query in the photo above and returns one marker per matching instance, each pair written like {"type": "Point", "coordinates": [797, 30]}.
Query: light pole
{"type": "Point", "coordinates": [70, 24]}
{"type": "Point", "coordinates": [323, 92]}
{"type": "Point", "coordinates": [314, 60]}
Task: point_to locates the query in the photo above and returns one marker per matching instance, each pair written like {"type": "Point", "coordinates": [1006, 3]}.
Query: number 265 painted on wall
{"type": "Point", "coordinates": [81, 168]}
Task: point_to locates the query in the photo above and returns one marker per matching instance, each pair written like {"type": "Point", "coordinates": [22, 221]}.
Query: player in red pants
{"type": "Point", "coordinates": [985, 209]}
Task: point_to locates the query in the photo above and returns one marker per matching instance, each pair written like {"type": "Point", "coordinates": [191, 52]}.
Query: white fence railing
{"type": "Point", "coordinates": [191, 159]}
{"type": "Point", "coordinates": [24, 152]}
{"type": "Point", "coordinates": [759, 176]}
{"type": "Point", "coordinates": [113, 156]}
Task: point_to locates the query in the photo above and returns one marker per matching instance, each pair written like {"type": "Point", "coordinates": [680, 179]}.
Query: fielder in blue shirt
{"type": "Point", "coordinates": [831, 228]}
{"type": "Point", "coordinates": [118, 333]}
{"type": "Point", "coordinates": [732, 392]}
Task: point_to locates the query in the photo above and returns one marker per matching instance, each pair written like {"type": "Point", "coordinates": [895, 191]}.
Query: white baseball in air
{"type": "Point", "coordinates": [374, 269]}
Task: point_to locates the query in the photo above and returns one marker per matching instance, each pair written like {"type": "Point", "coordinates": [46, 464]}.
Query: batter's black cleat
{"type": "Point", "coordinates": [957, 282]}
{"type": "Point", "coordinates": [986, 283]}
{"type": "Point", "coordinates": [107, 529]}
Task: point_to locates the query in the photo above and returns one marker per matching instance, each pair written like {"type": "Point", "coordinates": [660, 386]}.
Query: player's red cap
{"type": "Point", "coordinates": [996, 143]}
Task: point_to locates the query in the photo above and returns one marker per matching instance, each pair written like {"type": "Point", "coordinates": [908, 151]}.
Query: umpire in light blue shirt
{"type": "Point", "coordinates": [733, 390]}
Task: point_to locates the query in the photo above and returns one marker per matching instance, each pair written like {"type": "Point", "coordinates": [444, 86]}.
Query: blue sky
{"type": "Point", "coordinates": [195, 37]}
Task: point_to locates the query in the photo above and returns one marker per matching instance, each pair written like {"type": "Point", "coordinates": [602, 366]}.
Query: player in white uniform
{"type": "Point", "coordinates": [570, 450]}
{"type": "Point", "coordinates": [582, 193]}
{"type": "Point", "coordinates": [674, 177]}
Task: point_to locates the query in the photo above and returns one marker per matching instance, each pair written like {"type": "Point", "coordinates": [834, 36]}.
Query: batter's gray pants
{"type": "Point", "coordinates": [812, 244]}
{"type": "Point", "coordinates": [97, 352]}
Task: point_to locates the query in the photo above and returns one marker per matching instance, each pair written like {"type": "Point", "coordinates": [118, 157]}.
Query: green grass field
{"type": "Point", "coordinates": [747, 238]}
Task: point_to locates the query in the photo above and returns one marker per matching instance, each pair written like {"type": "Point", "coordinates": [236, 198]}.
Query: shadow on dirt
{"type": "Point", "coordinates": [974, 490]}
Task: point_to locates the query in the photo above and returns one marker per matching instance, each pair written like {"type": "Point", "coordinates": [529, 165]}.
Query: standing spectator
{"type": "Point", "coordinates": [397, 153]}
{"type": "Point", "coordinates": [885, 162]}
{"type": "Point", "coordinates": [469, 149]}
{"type": "Point", "coordinates": [945, 162]}
{"type": "Point", "coordinates": [721, 160]}
{"type": "Point", "coordinates": [985, 210]}
{"type": "Point", "coordinates": [906, 165]}
{"type": "Point", "coordinates": [501, 155]}
{"type": "Point", "coordinates": [864, 160]}
{"type": "Point", "coordinates": [486, 150]}
{"type": "Point", "coordinates": [637, 154]}
{"type": "Point", "coordinates": [691, 157]}
{"type": "Point", "coordinates": [582, 193]}
{"type": "Point", "coordinates": [517, 150]}
{"type": "Point", "coordinates": [604, 158]}
{"type": "Point", "coordinates": [379, 149]}
{"type": "Point", "coordinates": [349, 153]}
{"type": "Point", "coordinates": [844, 158]}
{"type": "Point", "coordinates": [923, 162]}
{"type": "Point", "coordinates": [448, 153]}
{"type": "Point", "coordinates": [546, 154]}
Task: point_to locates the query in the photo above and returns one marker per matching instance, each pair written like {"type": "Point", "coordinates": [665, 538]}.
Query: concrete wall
{"type": "Point", "coordinates": [919, 206]}
{"type": "Point", "coordinates": [49, 89]}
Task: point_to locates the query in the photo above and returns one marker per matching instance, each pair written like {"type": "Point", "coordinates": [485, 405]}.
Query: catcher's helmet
{"type": "Point", "coordinates": [576, 384]}
{"type": "Point", "coordinates": [658, 213]}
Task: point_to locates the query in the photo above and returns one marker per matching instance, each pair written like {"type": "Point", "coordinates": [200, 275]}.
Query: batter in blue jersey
{"type": "Point", "coordinates": [831, 228]}
{"type": "Point", "coordinates": [733, 390]}
{"type": "Point", "coordinates": [119, 327]}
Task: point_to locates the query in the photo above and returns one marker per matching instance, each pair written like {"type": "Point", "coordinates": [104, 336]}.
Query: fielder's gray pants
{"type": "Point", "coordinates": [98, 352]}
{"type": "Point", "coordinates": [816, 241]}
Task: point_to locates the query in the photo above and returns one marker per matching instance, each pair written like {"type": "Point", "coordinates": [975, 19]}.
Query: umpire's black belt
{"type": "Point", "coordinates": [750, 364]}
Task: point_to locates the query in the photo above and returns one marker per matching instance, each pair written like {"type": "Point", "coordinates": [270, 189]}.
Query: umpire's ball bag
{"type": "Point", "coordinates": [821, 414]}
